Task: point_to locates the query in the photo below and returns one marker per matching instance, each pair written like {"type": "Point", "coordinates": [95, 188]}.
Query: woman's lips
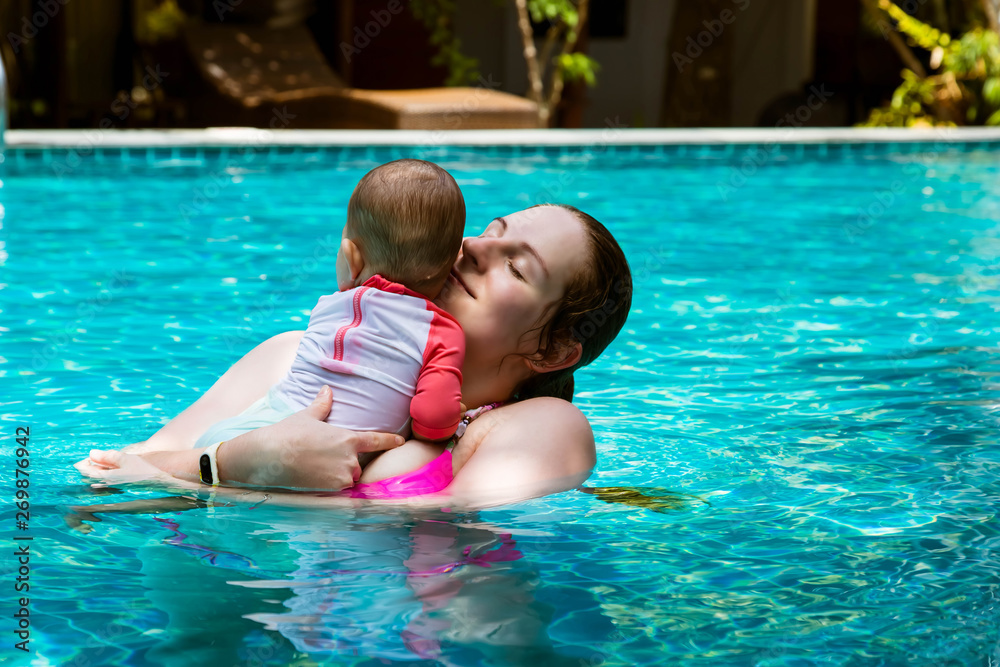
{"type": "Point", "coordinates": [454, 275]}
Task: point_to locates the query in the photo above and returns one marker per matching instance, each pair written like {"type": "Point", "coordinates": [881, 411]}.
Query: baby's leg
{"type": "Point", "coordinates": [258, 415]}
{"type": "Point", "coordinates": [403, 459]}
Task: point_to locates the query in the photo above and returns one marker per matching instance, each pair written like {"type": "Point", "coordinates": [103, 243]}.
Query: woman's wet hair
{"type": "Point", "coordinates": [591, 312]}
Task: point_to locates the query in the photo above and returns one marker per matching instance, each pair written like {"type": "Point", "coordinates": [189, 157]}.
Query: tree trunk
{"type": "Point", "coordinates": [556, 90]}
{"type": "Point", "coordinates": [990, 10]}
{"type": "Point", "coordinates": [531, 60]}
{"type": "Point", "coordinates": [898, 43]}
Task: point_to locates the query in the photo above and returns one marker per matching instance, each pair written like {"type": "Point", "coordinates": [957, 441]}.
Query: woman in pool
{"type": "Point", "coordinates": [539, 294]}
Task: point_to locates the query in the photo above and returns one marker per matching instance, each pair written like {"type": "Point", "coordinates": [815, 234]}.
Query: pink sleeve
{"type": "Point", "coordinates": [435, 407]}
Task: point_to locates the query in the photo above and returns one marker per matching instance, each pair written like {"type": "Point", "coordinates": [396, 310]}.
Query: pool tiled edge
{"type": "Point", "coordinates": [62, 150]}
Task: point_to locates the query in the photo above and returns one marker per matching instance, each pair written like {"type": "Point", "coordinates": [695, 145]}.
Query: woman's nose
{"type": "Point", "coordinates": [475, 249]}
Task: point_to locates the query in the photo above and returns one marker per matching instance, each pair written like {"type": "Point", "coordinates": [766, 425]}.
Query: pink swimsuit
{"type": "Point", "coordinates": [429, 478]}
{"type": "Point", "coordinates": [432, 477]}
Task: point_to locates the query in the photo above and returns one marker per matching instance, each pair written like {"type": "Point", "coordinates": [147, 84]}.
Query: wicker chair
{"type": "Point", "coordinates": [268, 73]}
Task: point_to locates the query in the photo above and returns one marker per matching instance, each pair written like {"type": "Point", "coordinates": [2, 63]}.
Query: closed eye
{"type": "Point", "coordinates": [513, 269]}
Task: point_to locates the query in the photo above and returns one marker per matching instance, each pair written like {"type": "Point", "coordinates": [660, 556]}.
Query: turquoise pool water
{"type": "Point", "coordinates": [809, 391]}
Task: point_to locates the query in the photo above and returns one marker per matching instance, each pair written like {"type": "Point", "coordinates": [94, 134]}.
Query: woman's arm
{"type": "Point", "coordinates": [524, 450]}
{"type": "Point", "coordinates": [300, 452]}
{"type": "Point", "coordinates": [245, 382]}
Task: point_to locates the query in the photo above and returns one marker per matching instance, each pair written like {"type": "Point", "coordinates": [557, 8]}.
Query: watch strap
{"type": "Point", "coordinates": [209, 466]}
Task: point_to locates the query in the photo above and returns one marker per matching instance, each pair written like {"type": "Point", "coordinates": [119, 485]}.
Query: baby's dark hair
{"type": "Point", "coordinates": [407, 217]}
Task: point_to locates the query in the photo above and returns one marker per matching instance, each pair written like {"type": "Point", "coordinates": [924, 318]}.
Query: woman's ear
{"type": "Point", "coordinates": [352, 254]}
{"type": "Point", "coordinates": [564, 357]}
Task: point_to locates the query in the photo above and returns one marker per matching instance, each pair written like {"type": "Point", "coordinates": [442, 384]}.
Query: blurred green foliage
{"type": "Point", "coordinates": [577, 66]}
{"type": "Point", "coordinates": [962, 86]}
{"type": "Point", "coordinates": [161, 23]}
{"type": "Point", "coordinates": [555, 11]}
{"type": "Point", "coordinates": [438, 16]}
{"type": "Point", "coordinates": [574, 66]}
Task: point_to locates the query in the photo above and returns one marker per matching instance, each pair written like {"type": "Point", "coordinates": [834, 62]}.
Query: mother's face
{"type": "Point", "coordinates": [506, 277]}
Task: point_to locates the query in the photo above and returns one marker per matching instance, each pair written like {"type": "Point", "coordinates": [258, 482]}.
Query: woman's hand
{"type": "Point", "coordinates": [301, 452]}
{"type": "Point", "coordinates": [111, 465]}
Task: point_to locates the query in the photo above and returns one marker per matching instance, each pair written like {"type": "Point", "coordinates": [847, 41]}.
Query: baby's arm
{"type": "Point", "coordinates": [436, 404]}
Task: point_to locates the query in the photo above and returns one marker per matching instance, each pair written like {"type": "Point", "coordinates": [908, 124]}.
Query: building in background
{"type": "Point", "coordinates": [135, 63]}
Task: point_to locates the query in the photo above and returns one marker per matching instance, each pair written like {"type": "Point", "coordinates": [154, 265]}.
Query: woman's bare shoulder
{"type": "Point", "coordinates": [544, 410]}
{"type": "Point", "coordinates": [543, 415]}
{"type": "Point", "coordinates": [536, 444]}
{"type": "Point", "coordinates": [287, 338]}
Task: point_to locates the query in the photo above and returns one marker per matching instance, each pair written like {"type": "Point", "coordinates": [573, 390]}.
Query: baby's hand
{"type": "Point", "coordinates": [463, 408]}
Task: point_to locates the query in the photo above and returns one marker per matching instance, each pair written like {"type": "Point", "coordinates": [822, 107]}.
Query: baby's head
{"type": "Point", "coordinates": [404, 222]}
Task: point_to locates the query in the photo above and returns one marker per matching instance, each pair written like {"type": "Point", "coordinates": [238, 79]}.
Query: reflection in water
{"type": "Point", "coordinates": [365, 584]}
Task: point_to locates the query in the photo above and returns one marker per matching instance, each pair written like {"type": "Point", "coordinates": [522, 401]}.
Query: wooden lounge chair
{"type": "Point", "coordinates": [277, 77]}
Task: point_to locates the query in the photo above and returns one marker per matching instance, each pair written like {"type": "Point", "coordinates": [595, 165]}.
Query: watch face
{"type": "Point", "coordinates": [206, 469]}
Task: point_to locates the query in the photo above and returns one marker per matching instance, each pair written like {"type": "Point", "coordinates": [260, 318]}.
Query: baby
{"type": "Point", "coordinates": [392, 358]}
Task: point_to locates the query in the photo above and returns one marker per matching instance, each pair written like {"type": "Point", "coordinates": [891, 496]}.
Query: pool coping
{"type": "Point", "coordinates": [243, 136]}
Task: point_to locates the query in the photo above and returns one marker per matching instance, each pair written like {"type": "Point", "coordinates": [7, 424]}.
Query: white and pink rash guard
{"type": "Point", "coordinates": [388, 354]}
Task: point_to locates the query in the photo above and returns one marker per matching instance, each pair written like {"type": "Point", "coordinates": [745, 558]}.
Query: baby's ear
{"type": "Point", "coordinates": [355, 260]}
